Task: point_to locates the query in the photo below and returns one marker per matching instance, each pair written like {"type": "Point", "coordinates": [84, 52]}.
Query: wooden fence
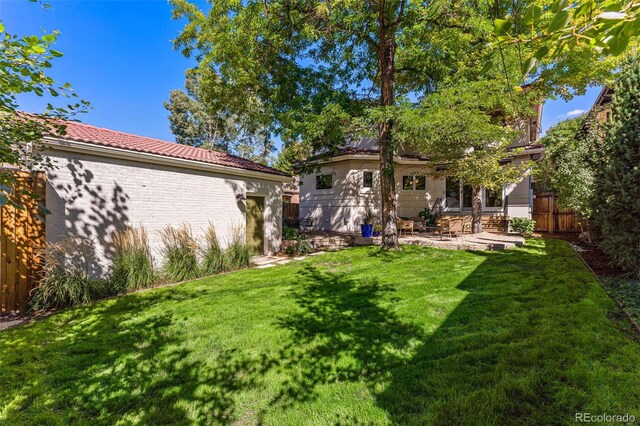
{"type": "Point", "coordinates": [291, 211]}
{"type": "Point", "coordinates": [550, 217]}
{"type": "Point", "coordinates": [22, 236]}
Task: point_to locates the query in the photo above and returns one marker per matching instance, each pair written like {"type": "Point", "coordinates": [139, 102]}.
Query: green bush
{"type": "Point", "coordinates": [238, 255]}
{"type": "Point", "coordinates": [65, 281]}
{"type": "Point", "coordinates": [522, 225]}
{"type": "Point", "coordinates": [289, 233]}
{"type": "Point", "coordinates": [618, 193]}
{"type": "Point", "coordinates": [180, 253]}
{"type": "Point", "coordinates": [429, 216]}
{"type": "Point", "coordinates": [213, 257]}
{"type": "Point", "coordinates": [301, 246]}
{"type": "Point", "coordinates": [132, 262]}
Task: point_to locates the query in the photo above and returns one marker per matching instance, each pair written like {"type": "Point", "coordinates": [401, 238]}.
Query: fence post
{"type": "Point", "coordinates": [552, 207]}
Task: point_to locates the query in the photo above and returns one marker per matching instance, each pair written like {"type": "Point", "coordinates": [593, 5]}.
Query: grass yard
{"type": "Point", "coordinates": [422, 336]}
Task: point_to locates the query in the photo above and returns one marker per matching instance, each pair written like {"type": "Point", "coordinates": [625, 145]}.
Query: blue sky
{"type": "Point", "coordinates": [119, 56]}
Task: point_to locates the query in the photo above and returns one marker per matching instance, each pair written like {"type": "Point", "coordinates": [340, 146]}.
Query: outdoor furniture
{"type": "Point", "coordinates": [434, 229]}
{"type": "Point", "coordinates": [306, 224]}
{"type": "Point", "coordinates": [467, 223]}
{"type": "Point", "coordinates": [404, 225]}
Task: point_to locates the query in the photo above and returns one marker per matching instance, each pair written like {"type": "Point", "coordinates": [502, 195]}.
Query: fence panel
{"type": "Point", "coordinates": [22, 236]}
{"type": "Point", "coordinates": [550, 217]}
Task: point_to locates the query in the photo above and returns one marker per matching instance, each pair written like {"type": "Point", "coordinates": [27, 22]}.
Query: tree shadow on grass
{"type": "Point", "coordinates": [121, 363]}
{"type": "Point", "coordinates": [531, 343]}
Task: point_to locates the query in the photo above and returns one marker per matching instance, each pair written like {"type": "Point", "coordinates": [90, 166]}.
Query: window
{"type": "Point", "coordinates": [414, 183]}
{"type": "Point", "coordinates": [452, 193]}
{"type": "Point", "coordinates": [407, 183]}
{"type": "Point", "coordinates": [467, 197]}
{"type": "Point", "coordinates": [324, 181]}
{"type": "Point", "coordinates": [492, 198]}
{"type": "Point", "coordinates": [367, 179]}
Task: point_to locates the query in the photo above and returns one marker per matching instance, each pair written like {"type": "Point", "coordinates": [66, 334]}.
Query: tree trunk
{"type": "Point", "coordinates": [476, 210]}
{"type": "Point", "coordinates": [386, 146]}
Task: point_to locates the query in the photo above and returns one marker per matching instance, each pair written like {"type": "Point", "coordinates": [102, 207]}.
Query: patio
{"type": "Point", "coordinates": [480, 241]}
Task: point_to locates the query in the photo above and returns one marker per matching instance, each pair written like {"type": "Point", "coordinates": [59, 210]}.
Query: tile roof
{"type": "Point", "coordinates": [99, 136]}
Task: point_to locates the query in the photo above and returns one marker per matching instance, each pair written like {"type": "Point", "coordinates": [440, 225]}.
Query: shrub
{"type": "Point", "coordinates": [289, 233]}
{"type": "Point", "coordinates": [180, 252]}
{"type": "Point", "coordinates": [301, 246]}
{"type": "Point", "coordinates": [132, 261]}
{"type": "Point", "coordinates": [213, 257]}
{"type": "Point", "coordinates": [429, 216]}
{"type": "Point", "coordinates": [618, 192]}
{"type": "Point", "coordinates": [238, 254]}
{"type": "Point", "coordinates": [522, 225]}
{"type": "Point", "coordinates": [65, 281]}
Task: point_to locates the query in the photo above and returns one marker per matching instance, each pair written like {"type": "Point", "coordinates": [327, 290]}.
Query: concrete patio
{"type": "Point", "coordinates": [481, 241]}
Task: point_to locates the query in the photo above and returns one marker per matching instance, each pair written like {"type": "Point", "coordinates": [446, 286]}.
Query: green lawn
{"type": "Point", "coordinates": [422, 336]}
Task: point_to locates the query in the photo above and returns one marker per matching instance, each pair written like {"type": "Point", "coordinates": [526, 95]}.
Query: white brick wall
{"type": "Point", "coordinates": [92, 196]}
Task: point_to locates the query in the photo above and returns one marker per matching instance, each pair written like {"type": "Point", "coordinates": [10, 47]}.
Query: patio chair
{"type": "Point", "coordinates": [306, 224]}
{"type": "Point", "coordinates": [467, 224]}
{"type": "Point", "coordinates": [404, 225]}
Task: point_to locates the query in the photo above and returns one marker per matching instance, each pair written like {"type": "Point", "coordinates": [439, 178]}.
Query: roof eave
{"type": "Point", "coordinates": [62, 144]}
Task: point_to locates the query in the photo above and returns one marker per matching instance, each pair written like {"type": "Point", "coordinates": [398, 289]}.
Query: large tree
{"type": "Point", "coordinates": [319, 68]}
{"type": "Point", "coordinates": [198, 118]}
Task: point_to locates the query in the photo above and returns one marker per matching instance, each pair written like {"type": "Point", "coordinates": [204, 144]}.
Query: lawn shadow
{"type": "Point", "coordinates": [123, 364]}
{"type": "Point", "coordinates": [339, 320]}
{"type": "Point", "coordinates": [519, 351]}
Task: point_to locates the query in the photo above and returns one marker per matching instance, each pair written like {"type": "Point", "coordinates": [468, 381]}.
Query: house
{"type": "Point", "coordinates": [336, 195]}
{"type": "Point", "coordinates": [104, 180]}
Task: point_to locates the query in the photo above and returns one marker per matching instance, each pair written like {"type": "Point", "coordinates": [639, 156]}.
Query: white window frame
{"type": "Point", "coordinates": [413, 182]}
{"type": "Point", "coordinates": [493, 209]}
{"type": "Point", "coordinates": [460, 207]}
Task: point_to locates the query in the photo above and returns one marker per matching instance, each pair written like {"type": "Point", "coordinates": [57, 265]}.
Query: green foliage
{"type": "Point", "coordinates": [300, 246]}
{"type": "Point", "coordinates": [522, 225]}
{"type": "Point", "coordinates": [571, 162]}
{"type": "Point", "coordinates": [292, 154]}
{"type": "Point", "coordinates": [198, 118]}
{"type": "Point", "coordinates": [180, 253]}
{"type": "Point", "coordinates": [618, 188]}
{"type": "Point", "coordinates": [237, 255]}
{"type": "Point", "coordinates": [289, 233]}
{"type": "Point", "coordinates": [65, 279]}
{"type": "Point", "coordinates": [369, 217]}
{"type": "Point", "coordinates": [132, 262]}
{"type": "Point", "coordinates": [564, 36]}
{"type": "Point", "coordinates": [25, 63]}
{"type": "Point", "coordinates": [213, 257]}
{"type": "Point", "coordinates": [429, 216]}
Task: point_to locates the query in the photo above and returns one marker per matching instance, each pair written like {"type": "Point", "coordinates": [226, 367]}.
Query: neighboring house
{"type": "Point", "coordinates": [105, 180]}
{"type": "Point", "coordinates": [336, 196]}
{"type": "Point", "coordinates": [292, 191]}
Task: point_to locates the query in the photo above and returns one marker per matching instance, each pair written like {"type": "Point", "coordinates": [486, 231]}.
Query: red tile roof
{"type": "Point", "coordinates": [96, 135]}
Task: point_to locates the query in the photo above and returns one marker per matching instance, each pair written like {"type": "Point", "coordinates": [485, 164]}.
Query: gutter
{"type": "Point", "coordinates": [58, 144]}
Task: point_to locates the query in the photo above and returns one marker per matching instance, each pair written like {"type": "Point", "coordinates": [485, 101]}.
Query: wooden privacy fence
{"type": "Point", "coordinates": [290, 211]}
{"type": "Point", "coordinates": [550, 217]}
{"type": "Point", "coordinates": [22, 236]}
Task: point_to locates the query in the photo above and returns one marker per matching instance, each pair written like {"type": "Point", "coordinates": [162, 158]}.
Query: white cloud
{"type": "Point", "coordinates": [573, 113]}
